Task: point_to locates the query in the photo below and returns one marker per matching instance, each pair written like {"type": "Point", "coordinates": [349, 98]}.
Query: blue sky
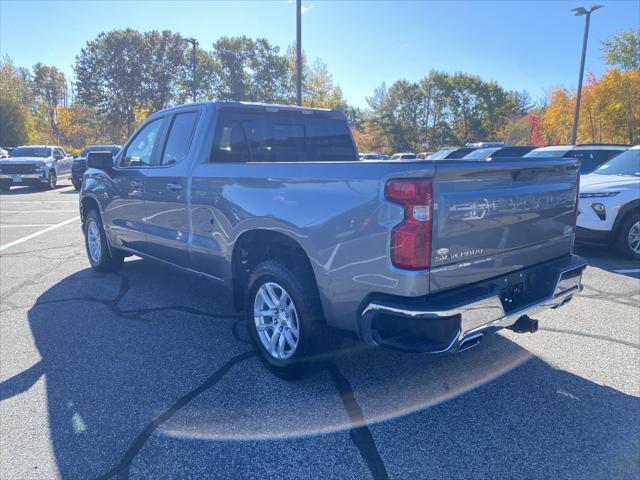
{"type": "Point", "coordinates": [524, 45]}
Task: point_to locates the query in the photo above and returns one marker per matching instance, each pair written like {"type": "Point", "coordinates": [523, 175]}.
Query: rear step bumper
{"type": "Point", "coordinates": [459, 319]}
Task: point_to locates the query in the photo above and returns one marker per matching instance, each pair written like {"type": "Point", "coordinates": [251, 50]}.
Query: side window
{"type": "Point", "coordinates": [230, 144]}
{"type": "Point", "coordinates": [138, 153]}
{"type": "Point", "coordinates": [58, 153]}
{"type": "Point", "coordinates": [179, 138]}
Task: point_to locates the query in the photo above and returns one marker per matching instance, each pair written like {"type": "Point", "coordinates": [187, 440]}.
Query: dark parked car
{"type": "Point", "coordinates": [590, 155]}
{"type": "Point", "coordinates": [450, 153]}
{"type": "Point", "coordinates": [512, 151]}
{"type": "Point", "coordinates": [273, 203]}
{"type": "Point", "coordinates": [80, 163]}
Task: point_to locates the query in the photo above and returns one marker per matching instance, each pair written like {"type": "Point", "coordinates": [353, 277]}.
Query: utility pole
{"type": "Point", "coordinates": [299, 52]}
{"type": "Point", "coordinates": [426, 121]}
{"type": "Point", "coordinates": [194, 64]}
{"type": "Point", "coordinates": [578, 12]}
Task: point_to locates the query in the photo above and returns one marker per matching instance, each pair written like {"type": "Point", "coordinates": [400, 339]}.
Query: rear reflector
{"type": "Point", "coordinates": [411, 239]}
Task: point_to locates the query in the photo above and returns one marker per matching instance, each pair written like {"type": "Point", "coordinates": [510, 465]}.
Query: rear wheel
{"type": "Point", "coordinates": [101, 258]}
{"type": "Point", "coordinates": [629, 236]}
{"type": "Point", "coordinates": [285, 320]}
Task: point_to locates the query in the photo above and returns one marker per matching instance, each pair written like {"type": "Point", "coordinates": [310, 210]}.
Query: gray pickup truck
{"type": "Point", "coordinates": [272, 203]}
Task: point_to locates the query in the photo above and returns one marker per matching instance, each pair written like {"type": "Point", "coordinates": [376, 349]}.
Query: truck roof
{"type": "Point", "coordinates": [269, 107]}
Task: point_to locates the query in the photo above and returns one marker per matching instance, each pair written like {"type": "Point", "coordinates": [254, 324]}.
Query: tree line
{"type": "Point", "coordinates": [122, 76]}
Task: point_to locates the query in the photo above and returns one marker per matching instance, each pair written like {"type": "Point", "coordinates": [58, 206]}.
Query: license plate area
{"type": "Point", "coordinates": [520, 289]}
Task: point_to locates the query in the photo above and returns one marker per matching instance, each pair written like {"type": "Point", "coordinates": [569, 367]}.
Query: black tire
{"type": "Point", "coordinates": [623, 239]}
{"type": "Point", "coordinates": [76, 185]}
{"type": "Point", "coordinates": [52, 181]}
{"type": "Point", "coordinates": [108, 260]}
{"type": "Point", "coordinates": [315, 344]}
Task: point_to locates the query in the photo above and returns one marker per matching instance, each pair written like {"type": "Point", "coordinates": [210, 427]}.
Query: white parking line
{"type": "Point", "coordinates": [11, 202]}
{"type": "Point", "coordinates": [30, 225]}
{"type": "Point", "coordinates": [39, 211]}
{"type": "Point", "coordinates": [38, 233]}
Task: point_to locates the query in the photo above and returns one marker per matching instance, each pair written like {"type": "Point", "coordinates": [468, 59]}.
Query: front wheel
{"type": "Point", "coordinates": [52, 181]}
{"type": "Point", "coordinates": [101, 258]}
{"type": "Point", "coordinates": [284, 317]}
{"type": "Point", "coordinates": [76, 185]}
{"type": "Point", "coordinates": [629, 237]}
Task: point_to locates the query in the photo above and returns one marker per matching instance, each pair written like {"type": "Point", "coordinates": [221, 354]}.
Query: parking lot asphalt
{"type": "Point", "coordinates": [148, 374]}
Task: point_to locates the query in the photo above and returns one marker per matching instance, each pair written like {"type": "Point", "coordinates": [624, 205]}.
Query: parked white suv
{"type": "Point", "coordinates": [609, 211]}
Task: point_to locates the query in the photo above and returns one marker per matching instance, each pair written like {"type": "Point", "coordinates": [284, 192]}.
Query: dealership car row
{"type": "Point", "coordinates": [609, 188]}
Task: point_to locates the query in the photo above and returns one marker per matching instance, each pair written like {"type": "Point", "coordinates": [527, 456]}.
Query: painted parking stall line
{"type": "Point", "coordinates": [38, 233]}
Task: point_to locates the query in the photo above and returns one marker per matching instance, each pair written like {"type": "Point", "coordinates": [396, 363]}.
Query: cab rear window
{"type": "Point", "coordinates": [281, 137]}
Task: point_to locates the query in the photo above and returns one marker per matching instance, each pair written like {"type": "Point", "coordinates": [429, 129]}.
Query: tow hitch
{"type": "Point", "coordinates": [525, 324]}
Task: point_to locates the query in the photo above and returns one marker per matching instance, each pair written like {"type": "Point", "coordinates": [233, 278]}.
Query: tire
{"type": "Point", "coordinates": [52, 181]}
{"type": "Point", "coordinates": [313, 343]}
{"type": "Point", "coordinates": [628, 240]}
{"type": "Point", "coordinates": [76, 185]}
{"type": "Point", "coordinates": [101, 258]}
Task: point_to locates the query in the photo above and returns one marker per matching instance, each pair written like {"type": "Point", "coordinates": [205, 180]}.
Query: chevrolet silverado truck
{"type": "Point", "coordinates": [35, 165]}
{"type": "Point", "coordinates": [272, 203]}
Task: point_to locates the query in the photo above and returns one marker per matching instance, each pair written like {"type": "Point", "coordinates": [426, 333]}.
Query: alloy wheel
{"type": "Point", "coordinates": [276, 320]}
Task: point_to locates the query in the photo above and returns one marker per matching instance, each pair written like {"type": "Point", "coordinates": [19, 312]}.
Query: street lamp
{"type": "Point", "coordinates": [578, 12]}
{"type": "Point", "coordinates": [194, 64]}
{"type": "Point", "coordinates": [299, 52]}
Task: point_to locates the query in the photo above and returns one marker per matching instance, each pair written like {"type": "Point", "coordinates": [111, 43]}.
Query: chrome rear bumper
{"type": "Point", "coordinates": [455, 325]}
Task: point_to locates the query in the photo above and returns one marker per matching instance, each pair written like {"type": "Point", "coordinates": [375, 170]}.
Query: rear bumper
{"type": "Point", "coordinates": [448, 321]}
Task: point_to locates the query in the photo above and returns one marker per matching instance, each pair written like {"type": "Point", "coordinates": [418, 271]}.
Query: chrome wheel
{"type": "Point", "coordinates": [276, 321]}
{"type": "Point", "coordinates": [94, 242]}
{"type": "Point", "coordinates": [52, 180]}
{"type": "Point", "coordinates": [633, 238]}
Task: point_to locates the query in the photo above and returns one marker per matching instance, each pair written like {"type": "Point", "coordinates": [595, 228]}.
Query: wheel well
{"type": "Point", "coordinates": [632, 208]}
{"type": "Point", "coordinates": [87, 204]}
{"type": "Point", "coordinates": [255, 246]}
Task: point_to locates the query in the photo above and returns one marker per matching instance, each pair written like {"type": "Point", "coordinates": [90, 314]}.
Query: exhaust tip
{"type": "Point", "coordinates": [470, 342]}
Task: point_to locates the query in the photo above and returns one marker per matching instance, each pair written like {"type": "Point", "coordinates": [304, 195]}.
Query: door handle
{"type": "Point", "coordinates": [136, 184]}
{"type": "Point", "coordinates": [174, 186]}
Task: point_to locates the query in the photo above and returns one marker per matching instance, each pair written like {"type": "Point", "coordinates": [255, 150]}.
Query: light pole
{"type": "Point", "coordinates": [194, 64]}
{"type": "Point", "coordinates": [426, 121]}
{"type": "Point", "coordinates": [578, 12]}
{"type": "Point", "coordinates": [299, 52]}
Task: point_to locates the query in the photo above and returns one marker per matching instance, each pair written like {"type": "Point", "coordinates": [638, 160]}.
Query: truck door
{"type": "Point", "coordinates": [166, 218]}
{"type": "Point", "coordinates": [124, 216]}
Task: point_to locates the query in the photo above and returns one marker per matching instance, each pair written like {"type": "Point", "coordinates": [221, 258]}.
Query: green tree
{"type": "Point", "coordinates": [623, 49]}
{"type": "Point", "coordinates": [14, 122]}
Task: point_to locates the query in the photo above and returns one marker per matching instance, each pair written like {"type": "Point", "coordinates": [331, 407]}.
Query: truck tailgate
{"type": "Point", "coordinates": [491, 218]}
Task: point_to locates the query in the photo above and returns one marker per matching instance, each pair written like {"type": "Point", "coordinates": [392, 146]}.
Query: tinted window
{"type": "Point", "coordinates": [139, 151]}
{"type": "Point", "coordinates": [100, 148]}
{"type": "Point", "coordinates": [30, 152]}
{"type": "Point", "coordinates": [547, 152]}
{"type": "Point", "coordinates": [460, 152]}
{"type": "Point", "coordinates": [179, 138]}
{"type": "Point", "coordinates": [627, 163]}
{"type": "Point", "coordinates": [511, 152]}
{"type": "Point", "coordinates": [281, 137]}
{"type": "Point", "coordinates": [441, 154]}
{"type": "Point", "coordinates": [591, 159]}
{"type": "Point", "coordinates": [410, 156]}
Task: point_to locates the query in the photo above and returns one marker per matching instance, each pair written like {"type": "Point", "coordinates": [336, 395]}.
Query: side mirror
{"type": "Point", "coordinates": [100, 160]}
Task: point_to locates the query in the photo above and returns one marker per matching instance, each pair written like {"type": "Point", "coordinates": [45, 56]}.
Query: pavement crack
{"type": "Point", "coordinates": [591, 335]}
{"type": "Point", "coordinates": [360, 434]}
{"type": "Point", "coordinates": [121, 470]}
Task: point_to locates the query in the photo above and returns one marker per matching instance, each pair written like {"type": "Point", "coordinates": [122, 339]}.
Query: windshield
{"type": "Point", "coordinates": [481, 153]}
{"type": "Point", "coordinates": [31, 152]}
{"type": "Point", "coordinates": [98, 148]}
{"type": "Point", "coordinates": [627, 163]}
{"type": "Point", "coordinates": [441, 154]}
{"type": "Point", "coordinates": [548, 153]}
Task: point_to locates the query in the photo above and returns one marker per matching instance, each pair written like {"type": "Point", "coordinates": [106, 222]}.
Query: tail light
{"type": "Point", "coordinates": [411, 239]}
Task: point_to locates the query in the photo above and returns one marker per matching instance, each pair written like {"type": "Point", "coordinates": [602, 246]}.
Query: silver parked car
{"type": "Point", "coordinates": [36, 165]}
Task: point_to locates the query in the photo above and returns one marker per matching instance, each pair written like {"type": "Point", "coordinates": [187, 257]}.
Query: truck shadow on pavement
{"type": "Point", "coordinates": [149, 375]}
